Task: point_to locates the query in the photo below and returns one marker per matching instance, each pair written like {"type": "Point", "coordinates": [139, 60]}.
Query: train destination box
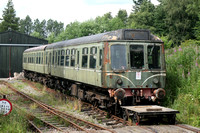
{"type": "Point", "coordinates": [5, 107]}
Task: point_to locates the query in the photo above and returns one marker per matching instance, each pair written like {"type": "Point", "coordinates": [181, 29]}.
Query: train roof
{"type": "Point", "coordinates": [40, 48]}
{"type": "Point", "coordinates": [122, 34]}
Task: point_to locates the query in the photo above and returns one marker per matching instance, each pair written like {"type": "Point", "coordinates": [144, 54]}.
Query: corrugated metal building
{"type": "Point", "coordinates": [12, 46]}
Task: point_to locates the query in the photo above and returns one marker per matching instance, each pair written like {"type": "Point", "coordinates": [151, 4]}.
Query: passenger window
{"type": "Point", "coordinates": [42, 59]}
{"type": "Point", "coordinates": [53, 56]}
{"type": "Point", "coordinates": [55, 59]}
{"type": "Point", "coordinates": [59, 57]}
{"type": "Point", "coordinates": [62, 58]}
{"type": "Point", "coordinates": [73, 53]}
{"type": "Point", "coordinates": [67, 57]}
{"type": "Point", "coordinates": [39, 58]}
{"type": "Point", "coordinates": [46, 57]}
{"type": "Point", "coordinates": [93, 57]}
{"type": "Point", "coordinates": [84, 57]}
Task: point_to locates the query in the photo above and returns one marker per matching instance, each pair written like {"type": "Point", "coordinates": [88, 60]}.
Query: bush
{"type": "Point", "coordinates": [183, 82]}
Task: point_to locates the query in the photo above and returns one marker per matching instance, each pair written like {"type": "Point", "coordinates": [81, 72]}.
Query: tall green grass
{"type": "Point", "coordinates": [13, 123]}
{"type": "Point", "coordinates": [183, 82]}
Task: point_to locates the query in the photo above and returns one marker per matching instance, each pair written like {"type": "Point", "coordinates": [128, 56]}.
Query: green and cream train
{"type": "Point", "coordinates": [122, 67]}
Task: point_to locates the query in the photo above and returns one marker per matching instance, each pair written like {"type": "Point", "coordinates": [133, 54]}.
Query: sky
{"type": "Point", "coordinates": [67, 11]}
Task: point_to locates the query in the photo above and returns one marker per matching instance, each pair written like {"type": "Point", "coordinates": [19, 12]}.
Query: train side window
{"type": "Point", "coordinates": [42, 59]}
{"type": "Point", "coordinates": [59, 57]}
{"type": "Point", "coordinates": [39, 58]}
{"type": "Point", "coordinates": [53, 56]}
{"type": "Point", "coordinates": [62, 57]}
{"type": "Point", "coordinates": [67, 57]}
{"type": "Point", "coordinates": [56, 56]}
{"type": "Point", "coordinates": [84, 57]}
{"type": "Point", "coordinates": [46, 57]}
{"type": "Point", "coordinates": [93, 57]}
{"type": "Point", "coordinates": [73, 53]}
{"type": "Point", "coordinates": [100, 57]}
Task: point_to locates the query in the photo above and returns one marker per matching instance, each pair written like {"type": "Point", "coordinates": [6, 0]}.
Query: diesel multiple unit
{"type": "Point", "coordinates": [123, 67]}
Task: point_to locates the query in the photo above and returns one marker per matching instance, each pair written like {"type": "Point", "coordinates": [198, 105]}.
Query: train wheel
{"type": "Point", "coordinates": [124, 115]}
{"type": "Point", "coordinates": [136, 118]}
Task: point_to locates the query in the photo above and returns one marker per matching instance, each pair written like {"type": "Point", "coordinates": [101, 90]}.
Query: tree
{"type": "Point", "coordinates": [123, 16]}
{"type": "Point", "coordinates": [181, 19]}
{"type": "Point", "coordinates": [144, 17]}
{"type": "Point", "coordinates": [40, 27]}
{"type": "Point", "coordinates": [10, 21]}
{"type": "Point", "coordinates": [26, 25]}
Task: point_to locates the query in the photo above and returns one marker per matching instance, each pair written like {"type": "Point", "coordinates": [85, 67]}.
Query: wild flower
{"type": "Point", "coordinates": [196, 63]}
{"type": "Point", "coordinates": [180, 49]}
{"type": "Point", "coordinates": [188, 73]}
{"type": "Point", "coordinates": [174, 50]}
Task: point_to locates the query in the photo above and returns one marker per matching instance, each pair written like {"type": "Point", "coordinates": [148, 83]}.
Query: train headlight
{"type": "Point", "coordinates": [119, 82]}
{"type": "Point", "coordinates": [155, 81]}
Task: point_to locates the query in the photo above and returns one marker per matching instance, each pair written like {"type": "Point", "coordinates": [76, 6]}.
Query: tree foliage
{"type": "Point", "coordinates": [10, 21]}
{"type": "Point", "coordinates": [26, 25]}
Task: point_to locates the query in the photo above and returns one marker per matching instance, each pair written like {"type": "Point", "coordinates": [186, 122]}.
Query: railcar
{"type": "Point", "coordinates": [122, 67]}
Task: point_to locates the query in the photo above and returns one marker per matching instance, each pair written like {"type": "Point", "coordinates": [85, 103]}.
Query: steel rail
{"type": "Point", "coordinates": [188, 128]}
{"type": "Point", "coordinates": [30, 122]}
{"type": "Point", "coordinates": [77, 119]}
{"type": "Point", "coordinates": [29, 114]}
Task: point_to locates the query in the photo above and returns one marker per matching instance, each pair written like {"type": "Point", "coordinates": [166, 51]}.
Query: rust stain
{"type": "Point", "coordinates": [106, 53]}
{"type": "Point", "coordinates": [105, 61]}
{"type": "Point", "coordinates": [163, 50]}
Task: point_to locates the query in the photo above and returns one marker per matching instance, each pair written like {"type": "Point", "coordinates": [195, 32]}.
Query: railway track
{"type": "Point", "coordinates": [47, 113]}
{"type": "Point", "coordinates": [118, 124]}
{"type": "Point", "coordinates": [113, 121]}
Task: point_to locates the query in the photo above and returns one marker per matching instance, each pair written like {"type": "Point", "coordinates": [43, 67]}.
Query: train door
{"type": "Point", "coordinates": [49, 63]}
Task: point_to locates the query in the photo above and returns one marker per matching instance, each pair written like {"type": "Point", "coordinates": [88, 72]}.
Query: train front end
{"type": "Point", "coordinates": [134, 70]}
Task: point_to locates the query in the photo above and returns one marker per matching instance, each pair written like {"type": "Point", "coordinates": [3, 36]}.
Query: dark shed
{"type": "Point", "coordinates": [12, 46]}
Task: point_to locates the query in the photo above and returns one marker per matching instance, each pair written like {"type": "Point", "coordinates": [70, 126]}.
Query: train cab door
{"type": "Point", "coordinates": [49, 63]}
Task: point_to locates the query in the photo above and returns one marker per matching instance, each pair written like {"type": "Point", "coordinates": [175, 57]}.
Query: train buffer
{"type": "Point", "coordinates": [149, 114]}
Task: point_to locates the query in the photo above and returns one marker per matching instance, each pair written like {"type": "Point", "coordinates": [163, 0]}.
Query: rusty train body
{"type": "Point", "coordinates": [122, 67]}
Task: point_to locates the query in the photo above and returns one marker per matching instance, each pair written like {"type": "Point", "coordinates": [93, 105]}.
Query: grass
{"type": "Point", "coordinates": [13, 123]}
{"type": "Point", "coordinates": [183, 82]}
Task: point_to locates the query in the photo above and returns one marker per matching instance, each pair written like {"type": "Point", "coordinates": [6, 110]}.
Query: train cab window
{"type": "Point", "coordinates": [84, 57]}
{"type": "Point", "coordinates": [67, 57]}
{"type": "Point", "coordinates": [137, 56]}
{"type": "Point", "coordinates": [93, 57]}
{"type": "Point", "coordinates": [118, 57]}
{"type": "Point", "coordinates": [73, 53]}
{"type": "Point", "coordinates": [62, 58]}
{"type": "Point", "coordinates": [153, 56]}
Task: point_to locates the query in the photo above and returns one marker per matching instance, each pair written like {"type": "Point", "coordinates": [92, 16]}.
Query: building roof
{"type": "Point", "coordinates": [13, 38]}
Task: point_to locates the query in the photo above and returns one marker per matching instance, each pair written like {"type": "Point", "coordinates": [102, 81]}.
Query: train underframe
{"type": "Point", "coordinates": [99, 97]}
